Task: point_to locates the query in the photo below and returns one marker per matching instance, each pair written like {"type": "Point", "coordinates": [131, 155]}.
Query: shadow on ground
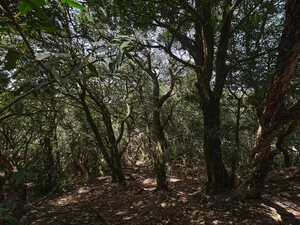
{"type": "Point", "coordinates": [185, 203]}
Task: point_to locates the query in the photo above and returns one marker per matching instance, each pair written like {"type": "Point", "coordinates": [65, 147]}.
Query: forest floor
{"type": "Point", "coordinates": [110, 204]}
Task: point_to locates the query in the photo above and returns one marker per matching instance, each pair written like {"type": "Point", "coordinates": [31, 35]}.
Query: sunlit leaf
{"type": "Point", "coordinates": [119, 58]}
{"type": "Point", "coordinates": [131, 64]}
{"type": "Point", "coordinates": [41, 56]}
{"type": "Point", "coordinates": [142, 33]}
{"type": "Point", "coordinates": [116, 62]}
{"type": "Point", "coordinates": [73, 3]}
{"type": "Point", "coordinates": [64, 55]}
{"type": "Point", "coordinates": [125, 44]}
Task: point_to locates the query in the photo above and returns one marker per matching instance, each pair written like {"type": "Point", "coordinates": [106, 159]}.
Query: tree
{"type": "Point", "coordinates": [110, 151]}
{"type": "Point", "coordinates": [200, 35]}
{"type": "Point", "coordinates": [155, 71]}
{"type": "Point", "coordinates": [274, 112]}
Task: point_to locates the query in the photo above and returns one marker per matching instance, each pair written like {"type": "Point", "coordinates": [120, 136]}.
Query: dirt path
{"type": "Point", "coordinates": [107, 203]}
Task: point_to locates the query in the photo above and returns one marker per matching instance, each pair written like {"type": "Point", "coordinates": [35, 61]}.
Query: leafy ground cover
{"type": "Point", "coordinates": [106, 203]}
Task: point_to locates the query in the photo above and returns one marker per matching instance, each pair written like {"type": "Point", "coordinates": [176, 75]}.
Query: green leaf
{"type": "Point", "coordinates": [40, 56]}
{"type": "Point", "coordinates": [111, 66]}
{"type": "Point", "coordinates": [41, 25]}
{"type": "Point", "coordinates": [63, 55]}
{"type": "Point", "coordinates": [60, 80]}
{"type": "Point", "coordinates": [41, 83]}
{"type": "Point", "coordinates": [142, 33]}
{"type": "Point", "coordinates": [109, 75]}
{"type": "Point", "coordinates": [48, 28]}
{"type": "Point", "coordinates": [93, 70]}
{"type": "Point", "coordinates": [18, 176]}
{"type": "Point", "coordinates": [24, 8]}
{"type": "Point", "coordinates": [4, 29]}
{"type": "Point", "coordinates": [19, 106]}
{"type": "Point", "coordinates": [73, 3]}
{"type": "Point", "coordinates": [119, 58]}
{"type": "Point", "coordinates": [11, 59]}
{"type": "Point", "coordinates": [125, 44]}
{"type": "Point", "coordinates": [76, 68]}
{"type": "Point", "coordinates": [13, 220]}
{"type": "Point", "coordinates": [116, 62]}
{"type": "Point", "coordinates": [132, 64]}
{"type": "Point", "coordinates": [23, 86]}
{"type": "Point", "coordinates": [28, 5]}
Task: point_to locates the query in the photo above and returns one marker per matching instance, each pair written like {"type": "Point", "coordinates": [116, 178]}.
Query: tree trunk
{"type": "Point", "coordinates": [253, 186]}
{"type": "Point", "coordinates": [217, 176]}
{"type": "Point", "coordinates": [274, 114]}
{"type": "Point", "coordinates": [112, 157]}
{"type": "Point", "coordinates": [158, 126]}
{"type": "Point", "coordinates": [236, 153]}
{"type": "Point", "coordinates": [160, 168]}
{"type": "Point", "coordinates": [209, 62]}
{"type": "Point", "coordinates": [48, 161]}
{"type": "Point", "coordinates": [280, 144]}
{"type": "Point", "coordinates": [159, 154]}
{"type": "Point", "coordinates": [117, 169]}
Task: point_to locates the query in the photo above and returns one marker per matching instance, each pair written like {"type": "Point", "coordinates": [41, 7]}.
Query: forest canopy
{"type": "Point", "coordinates": [90, 88]}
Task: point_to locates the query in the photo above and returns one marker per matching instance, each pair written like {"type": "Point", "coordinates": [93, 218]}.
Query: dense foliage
{"type": "Point", "coordinates": [88, 89]}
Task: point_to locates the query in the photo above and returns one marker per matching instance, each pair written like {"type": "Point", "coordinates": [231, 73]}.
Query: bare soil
{"type": "Point", "coordinates": [110, 204]}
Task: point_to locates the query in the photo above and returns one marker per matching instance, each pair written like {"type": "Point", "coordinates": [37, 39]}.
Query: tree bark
{"type": "Point", "coordinates": [280, 144]}
{"type": "Point", "coordinates": [111, 155]}
{"type": "Point", "coordinates": [159, 152]}
{"type": "Point", "coordinates": [205, 58]}
{"type": "Point", "coordinates": [274, 114]}
{"type": "Point", "coordinates": [217, 176]}
{"type": "Point", "coordinates": [160, 142]}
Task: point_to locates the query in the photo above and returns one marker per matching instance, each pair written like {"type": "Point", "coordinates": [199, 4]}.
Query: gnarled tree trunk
{"type": "Point", "coordinates": [280, 148]}
{"type": "Point", "coordinates": [274, 114]}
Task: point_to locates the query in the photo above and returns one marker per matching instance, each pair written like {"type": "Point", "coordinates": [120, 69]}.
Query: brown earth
{"type": "Point", "coordinates": [110, 204]}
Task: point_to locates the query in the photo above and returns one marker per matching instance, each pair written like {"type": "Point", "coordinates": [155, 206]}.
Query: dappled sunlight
{"type": "Point", "coordinates": [83, 190]}
{"type": "Point", "coordinates": [290, 207]}
{"type": "Point", "coordinates": [165, 205]}
{"type": "Point", "coordinates": [121, 213]}
{"type": "Point", "coordinates": [272, 212]}
{"type": "Point", "coordinates": [65, 200]}
{"type": "Point", "coordinates": [149, 184]}
{"type": "Point", "coordinates": [184, 203]}
{"type": "Point", "coordinates": [174, 180]}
